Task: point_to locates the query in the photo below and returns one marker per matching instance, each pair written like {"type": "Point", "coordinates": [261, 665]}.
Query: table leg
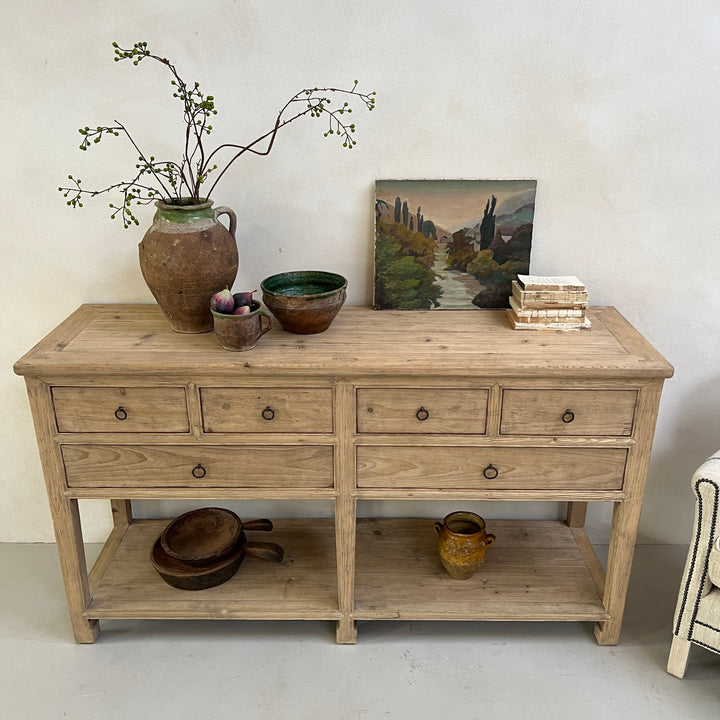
{"type": "Point", "coordinates": [65, 514]}
{"type": "Point", "coordinates": [345, 513]}
{"type": "Point", "coordinates": [121, 512]}
{"type": "Point", "coordinates": [576, 513]}
{"type": "Point", "coordinates": [626, 516]}
{"type": "Point", "coordinates": [71, 551]}
{"type": "Point", "coordinates": [345, 509]}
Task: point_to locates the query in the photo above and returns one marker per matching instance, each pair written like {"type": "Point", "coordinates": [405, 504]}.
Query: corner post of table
{"type": "Point", "coordinates": [121, 512]}
{"type": "Point", "coordinates": [626, 514]}
{"type": "Point", "coordinates": [65, 513]}
{"type": "Point", "coordinates": [576, 514]}
{"type": "Point", "coordinates": [345, 510]}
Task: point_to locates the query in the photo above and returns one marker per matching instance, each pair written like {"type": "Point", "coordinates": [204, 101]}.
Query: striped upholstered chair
{"type": "Point", "coordinates": [697, 614]}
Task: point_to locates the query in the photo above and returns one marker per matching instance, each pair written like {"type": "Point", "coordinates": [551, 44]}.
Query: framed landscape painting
{"type": "Point", "coordinates": [450, 244]}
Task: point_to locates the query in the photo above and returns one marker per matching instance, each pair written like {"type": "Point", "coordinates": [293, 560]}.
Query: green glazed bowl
{"type": "Point", "coordinates": [305, 301]}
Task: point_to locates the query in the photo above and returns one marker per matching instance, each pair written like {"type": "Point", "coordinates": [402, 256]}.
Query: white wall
{"type": "Point", "coordinates": [613, 106]}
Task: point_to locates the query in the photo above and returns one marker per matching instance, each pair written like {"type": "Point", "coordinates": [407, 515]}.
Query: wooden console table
{"type": "Point", "coordinates": [444, 405]}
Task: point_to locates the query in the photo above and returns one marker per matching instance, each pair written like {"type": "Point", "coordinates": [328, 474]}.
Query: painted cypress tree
{"type": "Point", "coordinates": [397, 209]}
{"type": "Point", "coordinates": [405, 213]}
{"type": "Point", "coordinates": [487, 226]}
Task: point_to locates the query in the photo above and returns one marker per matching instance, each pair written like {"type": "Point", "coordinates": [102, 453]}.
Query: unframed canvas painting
{"type": "Point", "coordinates": [450, 244]}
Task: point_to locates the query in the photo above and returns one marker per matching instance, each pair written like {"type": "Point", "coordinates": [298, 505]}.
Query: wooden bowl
{"type": "Point", "coordinates": [306, 301]}
{"type": "Point", "coordinates": [188, 577]}
{"type": "Point", "coordinates": [202, 537]}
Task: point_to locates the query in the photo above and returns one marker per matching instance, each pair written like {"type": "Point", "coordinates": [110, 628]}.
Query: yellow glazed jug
{"type": "Point", "coordinates": [462, 543]}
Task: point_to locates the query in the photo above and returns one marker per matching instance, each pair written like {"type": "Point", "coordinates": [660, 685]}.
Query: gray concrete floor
{"type": "Point", "coordinates": [289, 670]}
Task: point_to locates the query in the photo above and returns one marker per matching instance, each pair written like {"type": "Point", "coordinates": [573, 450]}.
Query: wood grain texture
{"type": "Point", "coordinates": [65, 513]}
{"type": "Point", "coordinates": [137, 339]}
{"type": "Point", "coordinates": [302, 586]}
{"type": "Point", "coordinates": [490, 468]}
{"type": "Point", "coordinates": [120, 409]}
{"type": "Point", "coordinates": [121, 466]}
{"type": "Point", "coordinates": [568, 412]}
{"type": "Point", "coordinates": [346, 425]}
{"type": "Point", "coordinates": [534, 571]}
{"type": "Point", "coordinates": [626, 516]}
{"type": "Point", "coordinates": [422, 410]}
{"type": "Point", "coordinates": [263, 410]}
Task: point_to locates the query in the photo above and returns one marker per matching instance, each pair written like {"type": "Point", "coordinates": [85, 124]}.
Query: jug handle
{"type": "Point", "coordinates": [438, 527]}
{"type": "Point", "coordinates": [233, 220]}
{"type": "Point", "coordinates": [265, 321]}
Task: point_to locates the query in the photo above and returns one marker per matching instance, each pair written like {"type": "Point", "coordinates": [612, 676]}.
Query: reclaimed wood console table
{"type": "Point", "coordinates": [443, 405]}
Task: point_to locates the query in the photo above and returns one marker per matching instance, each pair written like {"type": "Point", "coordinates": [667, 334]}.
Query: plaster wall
{"type": "Point", "coordinates": [612, 106]}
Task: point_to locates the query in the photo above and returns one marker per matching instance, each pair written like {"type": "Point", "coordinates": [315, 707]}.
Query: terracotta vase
{"type": "Point", "coordinates": [185, 257]}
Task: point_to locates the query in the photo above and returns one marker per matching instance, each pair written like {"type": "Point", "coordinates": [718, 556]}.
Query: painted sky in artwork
{"type": "Point", "coordinates": [449, 202]}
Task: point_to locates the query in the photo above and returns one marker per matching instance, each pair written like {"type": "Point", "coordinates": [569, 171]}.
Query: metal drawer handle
{"type": "Point", "coordinates": [199, 471]}
{"type": "Point", "coordinates": [121, 413]}
{"type": "Point", "coordinates": [490, 472]}
{"type": "Point", "coordinates": [422, 414]}
{"type": "Point", "coordinates": [268, 413]}
{"type": "Point", "coordinates": [568, 416]}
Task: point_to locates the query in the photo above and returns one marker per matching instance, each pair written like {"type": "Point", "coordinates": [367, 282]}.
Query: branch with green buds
{"type": "Point", "coordinates": [170, 180]}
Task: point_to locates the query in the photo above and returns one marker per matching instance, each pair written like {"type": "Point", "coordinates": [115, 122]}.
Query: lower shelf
{"type": "Point", "coordinates": [536, 570]}
{"type": "Point", "coordinates": [123, 583]}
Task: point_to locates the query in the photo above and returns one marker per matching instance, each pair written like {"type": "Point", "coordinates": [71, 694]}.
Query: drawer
{"type": "Point", "coordinates": [267, 410]}
{"type": "Point", "coordinates": [422, 410]}
{"type": "Point", "coordinates": [568, 412]}
{"type": "Point", "coordinates": [121, 466]}
{"type": "Point", "coordinates": [474, 468]}
{"type": "Point", "coordinates": [121, 409]}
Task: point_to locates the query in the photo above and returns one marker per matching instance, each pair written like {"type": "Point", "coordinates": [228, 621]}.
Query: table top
{"type": "Point", "coordinates": [122, 339]}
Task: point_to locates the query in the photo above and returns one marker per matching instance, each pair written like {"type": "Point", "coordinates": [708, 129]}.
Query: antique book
{"type": "Point", "coordinates": [522, 323]}
{"type": "Point", "coordinates": [550, 282]}
{"type": "Point", "coordinates": [546, 312]}
{"type": "Point", "coordinates": [549, 298]}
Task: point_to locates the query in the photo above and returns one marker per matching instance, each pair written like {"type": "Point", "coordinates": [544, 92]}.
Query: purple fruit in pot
{"type": "Point", "coordinates": [222, 302]}
{"type": "Point", "coordinates": [243, 298]}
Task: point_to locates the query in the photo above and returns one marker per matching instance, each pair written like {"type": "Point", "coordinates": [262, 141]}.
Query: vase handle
{"type": "Point", "coordinates": [233, 220]}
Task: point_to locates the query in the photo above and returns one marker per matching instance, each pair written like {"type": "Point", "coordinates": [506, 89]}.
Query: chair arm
{"type": "Point", "coordinates": [695, 582]}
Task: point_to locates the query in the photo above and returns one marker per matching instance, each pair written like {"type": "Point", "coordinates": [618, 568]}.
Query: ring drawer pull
{"type": "Point", "coordinates": [199, 471]}
{"type": "Point", "coordinates": [121, 413]}
{"type": "Point", "coordinates": [490, 472]}
{"type": "Point", "coordinates": [422, 414]}
{"type": "Point", "coordinates": [568, 416]}
{"type": "Point", "coordinates": [268, 413]}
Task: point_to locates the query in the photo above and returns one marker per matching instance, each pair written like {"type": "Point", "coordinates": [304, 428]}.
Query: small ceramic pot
{"type": "Point", "coordinates": [462, 543]}
{"type": "Point", "coordinates": [241, 332]}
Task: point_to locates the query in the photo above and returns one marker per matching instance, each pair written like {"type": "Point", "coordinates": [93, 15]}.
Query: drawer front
{"type": "Point", "coordinates": [121, 409]}
{"type": "Point", "coordinates": [422, 410]}
{"type": "Point", "coordinates": [568, 412]}
{"type": "Point", "coordinates": [120, 466]}
{"type": "Point", "coordinates": [474, 468]}
{"type": "Point", "coordinates": [267, 410]}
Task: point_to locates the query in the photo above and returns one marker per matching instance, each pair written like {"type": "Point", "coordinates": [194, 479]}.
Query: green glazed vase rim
{"type": "Point", "coordinates": [184, 203]}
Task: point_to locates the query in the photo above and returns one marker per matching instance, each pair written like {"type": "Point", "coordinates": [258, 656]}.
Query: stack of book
{"type": "Point", "coordinates": [538, 302]}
